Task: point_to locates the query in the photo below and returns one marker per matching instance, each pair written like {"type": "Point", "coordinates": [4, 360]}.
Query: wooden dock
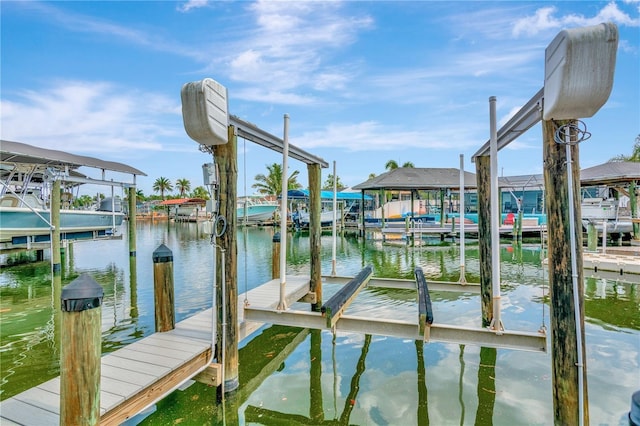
{"type": "Point", "coordinates": [144, 372]}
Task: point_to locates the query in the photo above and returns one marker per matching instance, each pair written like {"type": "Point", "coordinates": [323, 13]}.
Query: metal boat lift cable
{"type": "Point", "coordinates": [568, 135]}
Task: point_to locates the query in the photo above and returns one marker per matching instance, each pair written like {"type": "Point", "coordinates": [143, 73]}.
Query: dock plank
{"type": "Point", "coordinates": [142, 372]}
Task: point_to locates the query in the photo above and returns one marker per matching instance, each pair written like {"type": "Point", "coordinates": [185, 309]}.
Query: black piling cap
{"type": "Point", "coordinates": [276, 238]}
{"type": "Point", "coordinates": [81, 294]}
{"type": "Point", "coordinates": [162, 254]}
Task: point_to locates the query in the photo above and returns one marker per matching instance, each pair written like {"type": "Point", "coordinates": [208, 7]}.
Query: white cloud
{"type": "Point", "coordinates": [374, 136]}
{"type": "Point", "coordinates": [192, 4]}
{"type": "Point", "coordinates": [545, 19]}
{"type": "Point", "coordinates": [88, 117]}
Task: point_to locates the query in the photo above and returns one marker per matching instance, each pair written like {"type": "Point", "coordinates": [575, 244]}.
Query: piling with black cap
{"type": "Point", "coordinates": [275, 256]}
{"type": "Point", "coordinates": [163, 288]}
{"type": "Point", "coordinates": [80, 351]}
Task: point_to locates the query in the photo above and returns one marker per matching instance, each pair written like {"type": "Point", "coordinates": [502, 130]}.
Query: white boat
{"type": "Point", "coordinates": [255, 211]}
{"type": "Point", "coordinates": [600, 212]}
{"type": "Point", "coordinates": [26, 177]}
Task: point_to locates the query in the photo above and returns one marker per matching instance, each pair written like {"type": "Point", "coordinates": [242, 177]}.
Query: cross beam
{"type": "Point", "coordinates": [529, 115]}
{"type": "Point", "coordinates": [518, 340]}
{"type": "Point", "coordinates": [251, 132]}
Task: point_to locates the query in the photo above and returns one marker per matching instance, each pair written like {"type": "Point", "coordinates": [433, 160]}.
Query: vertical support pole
{"type": "Point", "coordinates": [364, 222]}
{"type": "Point", "coordinates": [163, 289]}
{"type": "Point", "coordinates": [564, 339]}
{"type": "Point", "coordinates": [282, 304]}
{"type": "Point", "coordinates": [496, 217]}
{"type": "Point", "coordinates": [484, 237]}
{"type": "Point", "coordinates": [335, 219]}
{"type": "Point", "coordinates": [226, 156]}
{"type": "Point", "coordinates": [462, 219]}
{"type": "Point", "coordinates": [633, 203]}
{"type": "Point", "coordinates": [132, 221]}
{"type": "Point", "coordinates": [314, 173]}
{"type": "Point", "coordinates": [275, 256]}
{"type": "Point", "coordinates": [80, 350]}
{"type": "Point", "coordinates": [442, 216]}
{"type": "Point", "coordinates": [56, 257]}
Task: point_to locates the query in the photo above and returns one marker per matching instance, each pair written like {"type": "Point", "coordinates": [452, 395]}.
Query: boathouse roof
{"type": "Point", "coordinates": [613, 172]}
{"type": "Point", "coordinates": [17, 152]}
{"type": "Point", "coordinates": [416, 178]}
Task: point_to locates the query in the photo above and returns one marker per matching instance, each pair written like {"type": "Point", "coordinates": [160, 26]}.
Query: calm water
{"type": "Point", "coordinates": [342, 379]}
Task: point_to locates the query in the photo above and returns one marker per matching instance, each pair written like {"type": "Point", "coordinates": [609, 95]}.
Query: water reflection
{"type": "Point", "coordinates": [290, 371]}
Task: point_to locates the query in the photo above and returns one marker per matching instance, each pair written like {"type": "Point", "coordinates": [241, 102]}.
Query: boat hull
{"type": "Point", "coordinates": [256, 213]}
{"type": "Point", "coordinates": [19, 222]}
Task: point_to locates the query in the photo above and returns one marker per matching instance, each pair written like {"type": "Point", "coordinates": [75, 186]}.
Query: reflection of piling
{"type": "Point", "coordinates": [316, 409]}
{"type": "Point", "coordinates": [132, 221]}
{"type": "Point", "coordinates": [56, 258]}
{"type": "Point", "coordinates": [486, 386]}
{"type": "Point", "coordinates": [275, 256]}
{"type": "Point", "coordinates": [592, 237]}
{"type": "Point", "coordinates": [163, 288]}
{"type": "Point", "coordinates": [80, 351]}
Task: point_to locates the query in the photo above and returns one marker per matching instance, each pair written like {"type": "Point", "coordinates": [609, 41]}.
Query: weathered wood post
{"type": "Point", "coordinates": [80, 350]}
{"type": "Point", "coordinates": [56, 257]}
{"type": "Point", "coordinates": [564, 339]}
{"type": "Point", "coordinates": [592, 237]}
{"type": "Point", "coordinates": [483, 180]}
{"type": "Point", "coordinates": [275, 256]}
{"type": "Point", "coordinates": [226, 156]}
{"type": "Point", "coordinates": [163, 289]}
{"type": "Point", "coordinates": [132, 221]}
{"type": "Point", "coordinates": [315, 231]}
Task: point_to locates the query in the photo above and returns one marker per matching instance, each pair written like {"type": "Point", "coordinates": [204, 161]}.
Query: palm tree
{"type": "Point", "coordinates": [161, 185]}
{"type": "Point", "coordinates": [635, 153]}
{"type": "Point", "coordinates": [271, 184]}
{"type": "Point", "coordinates": [328, 184]}
{"type": "Point", "coordinates": [391, 165]}
{"type": "Point", "coordinates": [183, 186]}
{"type": "Point", "coordinates": [200, 192]}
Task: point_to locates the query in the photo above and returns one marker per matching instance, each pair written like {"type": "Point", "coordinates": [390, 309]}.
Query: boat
{"type": "Point", "coordinates": [601, 212]}
{"type": "Point", "coordinates": [27, 219]}
{"type": "Point", "coordinates": [253, 211]}
{"type": "Point", "coordinates": [27, 175]}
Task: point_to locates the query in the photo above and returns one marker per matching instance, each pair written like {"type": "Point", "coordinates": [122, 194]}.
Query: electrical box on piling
{"type": "Point", "coordinates": [578, 74]}
{"type": "Point", "coordinates": [205, 112]}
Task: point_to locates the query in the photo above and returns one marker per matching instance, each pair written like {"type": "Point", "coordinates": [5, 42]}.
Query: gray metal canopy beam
{"type": "Point", "coordinates": [529, 115]}
{"type": "Point", "coordinates": [251, 132]}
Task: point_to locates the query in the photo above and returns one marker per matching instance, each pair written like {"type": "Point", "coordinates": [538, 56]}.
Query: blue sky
{"type": "Point", "coordinates": [363, 82]}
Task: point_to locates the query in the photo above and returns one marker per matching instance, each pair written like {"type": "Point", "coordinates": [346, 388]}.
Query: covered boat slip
{"type": "Point", "coordinates": [29, 202]}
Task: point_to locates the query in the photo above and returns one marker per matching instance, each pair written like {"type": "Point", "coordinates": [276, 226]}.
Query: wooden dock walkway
{"type": "Point", "coordinates": [142, 373]}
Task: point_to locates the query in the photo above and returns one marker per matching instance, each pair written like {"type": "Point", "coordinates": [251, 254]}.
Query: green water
{"type": "Point", "coordinates": [294, 376]}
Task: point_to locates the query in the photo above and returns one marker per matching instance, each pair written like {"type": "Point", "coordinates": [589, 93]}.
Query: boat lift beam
{"type": "Point", "coordinates": [528, 116]}
{"type": "Point", "coordinates": [404, 284]}
{"type": "Point", "coordinates": [505, 339]}
{"type": "Point", "coordinates": [251, 132]}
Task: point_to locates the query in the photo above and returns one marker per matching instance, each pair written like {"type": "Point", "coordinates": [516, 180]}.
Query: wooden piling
{"type": "Point", "coordinates": [163, 293]}
{"type": "Point", "coordinates": [275, 256]}
{"type": "Point", "coordinates": [80, 350]}
{"type": "Point", "coordinates": [56, 257]}
{"type": "Point", "coordinates": [564, 353]}
{"type": "Point", "coordinates": [483, 181]}
{"type": "Point", "coordinates": [315, 230]}
{"type": "Point", "coordinates": [226, 156]}
{"type": "Point", "coordinates": [132, 221]}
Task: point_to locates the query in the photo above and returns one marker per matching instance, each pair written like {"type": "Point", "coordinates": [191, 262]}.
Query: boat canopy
{"type": "Point", "coordinates": [17, 152]}
{"type": "Point", "coordinates": [327, 195]}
